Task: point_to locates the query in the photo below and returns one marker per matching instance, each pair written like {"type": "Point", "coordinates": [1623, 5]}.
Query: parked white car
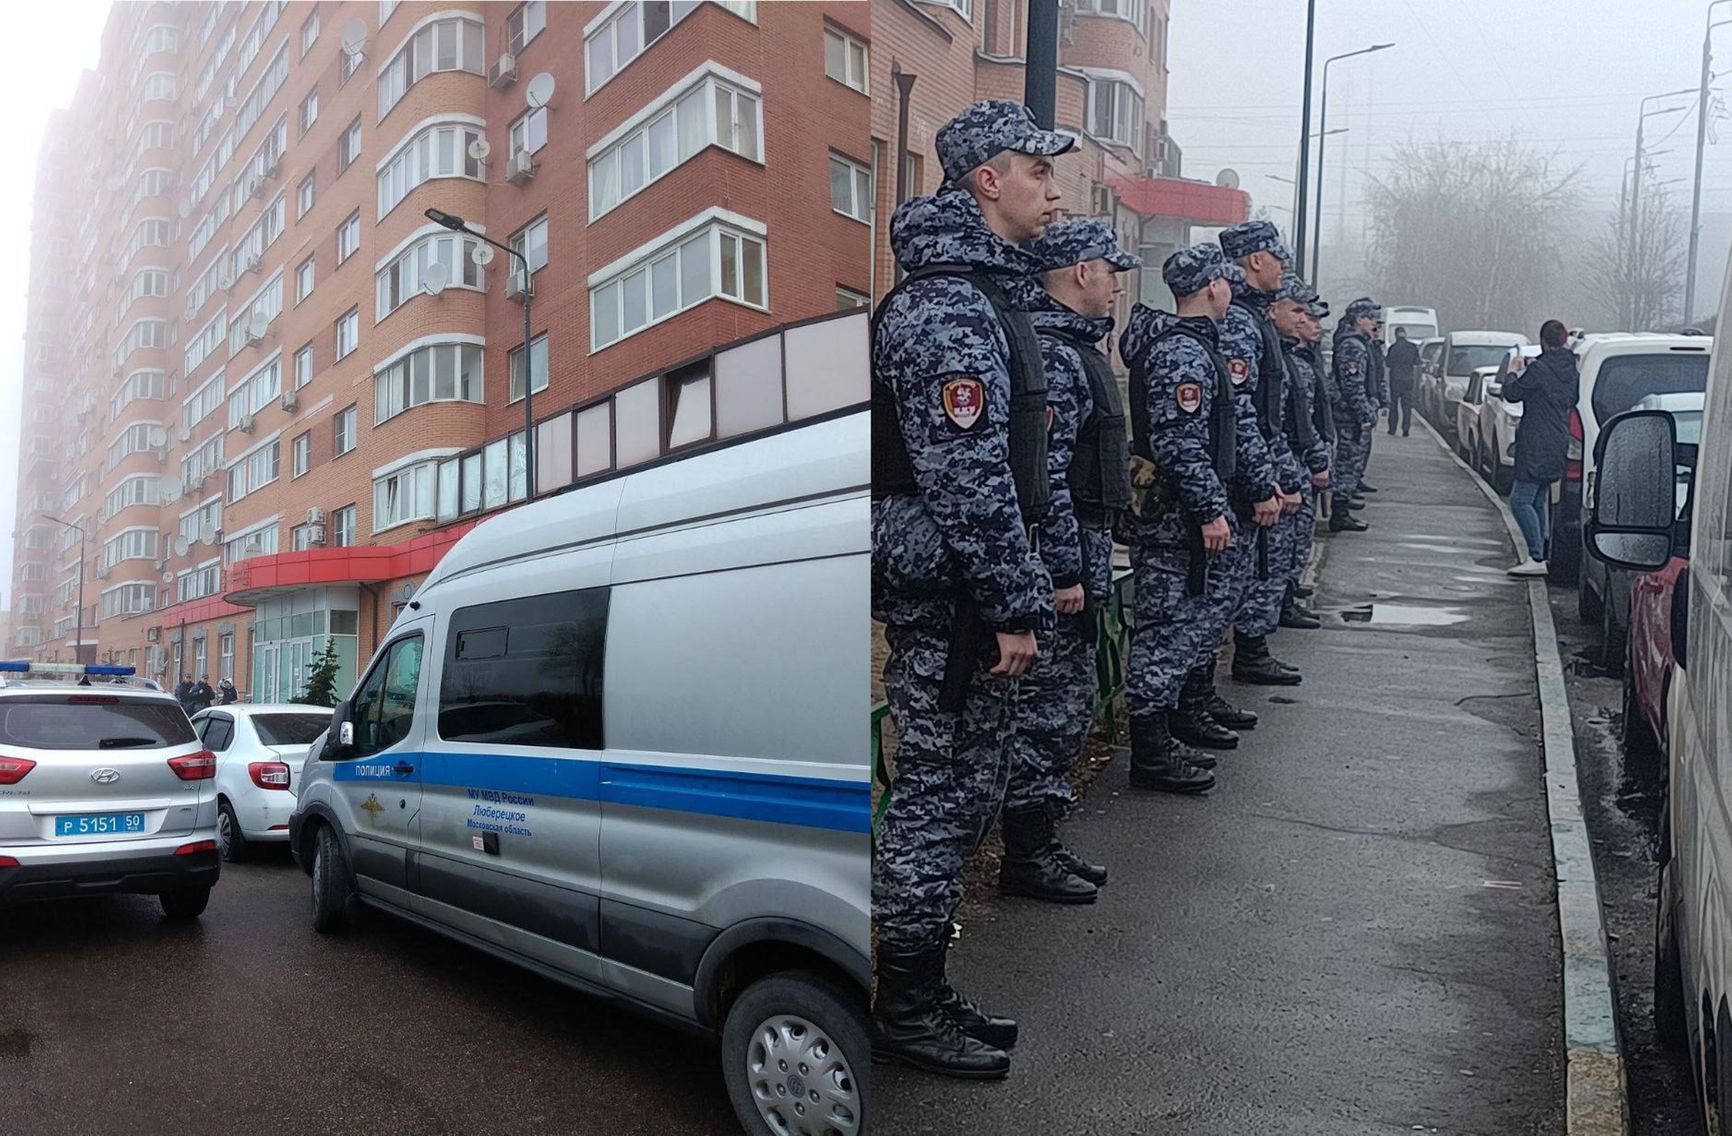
{"type": "Point", "coordinates": [1441, 387]}
{"type": "Point", "coordinates": [259, 752]}
{"type": "Point", "coordinates": [1470, 415]}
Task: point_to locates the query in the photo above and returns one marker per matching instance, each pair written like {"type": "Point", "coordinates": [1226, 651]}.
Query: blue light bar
{"type": "Point", "coordinates": [65, 669]}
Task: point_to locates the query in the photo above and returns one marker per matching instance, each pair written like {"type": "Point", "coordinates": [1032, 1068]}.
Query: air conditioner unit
{"type": "Point", "coordinates": [274, 168]}
{"type": "Point", "coordinates": [291, 399]}
{"type": "Point", "coordinates": [315, 516]}
{"type": "Point", "coordinates": [162, 562]}
{"type": "Point", "coordinates": [254, 340]}
{"type": "Point", "coordinates": [152, 634]}
{"type": "Point", "coordinates": [251, 264]}
{"type": "Point", "coordinates": [258, 189]}
{"type": "Point", "coordinates": [316, 535]}
{"type": "Point", "coordinates": [246, 424]}
{"type": "Point", "coordinates": [184, 434]}
{"type": "Point", "coordinates": [513, 287]}
{"type": "Point", "coordinates": [1102, 201]}
{"type": "Point", "coordinates": [504, 71]}
{"type": "Point", "coordinates": [521, 167]}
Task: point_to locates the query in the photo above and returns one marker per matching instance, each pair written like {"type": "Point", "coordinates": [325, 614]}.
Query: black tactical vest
{"type": "Point", "coordinates": [1099, 476]}
{"type": "Point", "coordinates": [1270, 371]}
{"type": "Point", "coordinates": [1300, 426]}
{"type": "Point", "coordinates": [1223, 422]}
{"type": "Point", "coordinates": [1322, 414]}
{"type": "Point", "coordinates": [893, 473]}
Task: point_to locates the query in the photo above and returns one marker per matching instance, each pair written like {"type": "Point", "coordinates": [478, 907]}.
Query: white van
{"type": "Point", "coordinates": [1421, 323]}
{"type": "Point", "coordinates": [616, 739]}
{"type": "Point", "coordinates": [1631, 525]}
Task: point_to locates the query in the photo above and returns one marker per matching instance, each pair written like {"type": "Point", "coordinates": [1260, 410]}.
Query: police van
{"type": "Point", "coordinates": [616, 739]}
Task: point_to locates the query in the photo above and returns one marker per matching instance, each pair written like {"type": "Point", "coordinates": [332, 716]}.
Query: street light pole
{"type": "Point", "coordinates": [457, 225]}
{"type": "Point", "coordinates": [1322, 137]}
{"type": "Point", "coordinates": [1701, 135]}
{"type": "Point", "coordinates": [1636, 192]}
{"type": "Point", "coordinates": [78, 643]}
{"type": "Point", "coordinates": [1304, 143]}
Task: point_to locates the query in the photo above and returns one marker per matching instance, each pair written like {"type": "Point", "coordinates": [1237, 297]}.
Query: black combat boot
{"type": "Point", "coordinates": [1192, 723]}
{"type": "Point", "coordinates": [911, 1024]}
{"type": "Point", "coordinates": [1296, 615]}
{"type": "Point", "coordinates": [1158, 761]}
{"type": "Point", "coordinates": [1304, 591]}
{"type": "Point", "coordinates": [1030, 868]}
{"type": "Point", "coordinates": [1000, 1033]}
{"type": "Point", "coordinates": [1095, 874]}
{"type": "Point", "coordinates": [1364, 488]}
{"type": "Point", "coordinates": [1224, 712]}
{"type": "Point", "coordinates": [1340, 520]}
{"type": "Point", "coordinates": [1252, 663]}
{"type": "Point", "coordinates": [1356, 503]}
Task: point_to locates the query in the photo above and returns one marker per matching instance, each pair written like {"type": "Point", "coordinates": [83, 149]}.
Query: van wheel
{"type": "Point", "coordinates": [334, 900]}
{"type": "Point", "coordinates": [1588, 603]}
{"type": "Point", "coordinates": [230, 838]}
{"type": "Point", "coordinates": [187, 903]}
{"type": "Point", "coordinates": [1669, 1024]}
{"type": "Point", "coordinates": [794, 1055]}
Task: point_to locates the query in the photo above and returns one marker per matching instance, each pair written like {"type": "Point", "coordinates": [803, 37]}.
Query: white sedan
{"type": "Point", "coordinates": [259, 751]}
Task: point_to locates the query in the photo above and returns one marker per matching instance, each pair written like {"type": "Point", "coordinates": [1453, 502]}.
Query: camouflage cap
{"type": "Point", "coordinates": [1363, 306]}
{"type": "Point", "coordinates": [1318, 309]}
{"type": "Point", "coordinates": [1251, 237]}
{"type": "Point", "coordinates": [1293, 288]}
{"type": "Point", "coordinates": [989, 128]}
{"type": "Point", "coordinates": [1076, 242]}
{"type": "Point", "coordinates": [1190, 270]}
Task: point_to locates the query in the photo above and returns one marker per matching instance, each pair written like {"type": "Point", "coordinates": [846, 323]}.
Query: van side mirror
{"type": "Point", "coordinates": [340, 738]}
{"type": "Point", "coordinates": [1630, 523]}
{"type": "Point", "coordinates": [1681, 617]}
{"type": "Point", "coordinates": [1494, 390]}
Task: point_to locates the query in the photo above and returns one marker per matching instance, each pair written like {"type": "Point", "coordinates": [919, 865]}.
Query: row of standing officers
{"type": "Point", "coordinates": [1003, 470]}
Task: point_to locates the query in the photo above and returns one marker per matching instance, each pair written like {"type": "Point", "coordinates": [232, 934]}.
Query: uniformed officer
{"type": "Point", "coordinates": [959, 486]}
{"type": "Point", "coordinates": [1307, 434]}
{"type": "Point", "coordinates": [1379, 393]}
{"type": "Point", "coordinates": [1088, 450]}
{"type": "Point", "coordinates": [1355, 410]}
{"type": "Point", "coordinates": [1252, 348]}
{"type": "Point", "coordinates": [1195, 458]}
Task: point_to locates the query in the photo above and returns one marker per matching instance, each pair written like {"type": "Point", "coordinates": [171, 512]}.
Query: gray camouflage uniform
{"type": "Point", "coordinates": [1354, 406]}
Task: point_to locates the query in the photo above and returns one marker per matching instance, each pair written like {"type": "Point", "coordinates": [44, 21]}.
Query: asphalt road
{"type": "Point", "coordinates": [112, 1020]}
{"type": "Point", "coordinates": [1355, 933]}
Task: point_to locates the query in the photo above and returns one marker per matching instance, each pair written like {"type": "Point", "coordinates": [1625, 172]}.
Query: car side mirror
{"type": "Point", "coordinates": [1630, 523]}
{"type": "Point", "coordinates": [340, 738]}
{"type": "Point", "coordinates": [1494, 390]}
{"type": "Point", "coordinates": [1681, 617]}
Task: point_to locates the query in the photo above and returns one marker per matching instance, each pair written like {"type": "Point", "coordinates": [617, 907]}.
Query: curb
{"type": "Point", "coordinates": [1595, 1096]}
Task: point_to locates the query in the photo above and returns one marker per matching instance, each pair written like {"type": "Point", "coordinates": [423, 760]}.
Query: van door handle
{"type": "Point", "coordinates": [403, 767]}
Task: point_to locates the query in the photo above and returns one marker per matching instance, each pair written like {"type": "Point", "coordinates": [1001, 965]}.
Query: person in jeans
{"type": "Point", "coordinates": [1547, 389]}
{"type": "Point", "coordinates": [1400, 360]}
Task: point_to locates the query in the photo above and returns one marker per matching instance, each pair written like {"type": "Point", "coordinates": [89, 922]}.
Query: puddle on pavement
{"type": "Point", "coordinates": [1404, 615]}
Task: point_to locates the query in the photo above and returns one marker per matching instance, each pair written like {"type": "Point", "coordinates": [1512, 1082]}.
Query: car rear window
{"type": "Point", "coordinates": [1625, 380]}
{"type": "Point", "coordinates": [290, 729]}
{"type": "Point", "coordinates": [1465, 358]}
{"type": "Point", "coordinates": [90, 721]}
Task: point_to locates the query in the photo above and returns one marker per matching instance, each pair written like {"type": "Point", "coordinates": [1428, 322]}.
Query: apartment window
{"type": "Point", "coordinates": [343, 527]}
{"type": "Point", "coordinates": [443, 372]}
{"type": "Point", "coordinates": [265, 306]}
{"type": "Point", "coordinates": [611, 47]}
{"type": "Point", "coordinates": [245, 257]}
{"type": "Point", "coordinates": [531, 243]}
{"type": "Point", "coordinates": [138, 385]}
{"type": "Point", "coordinates": [203, 402]}
{"type": "Point", "coordinates": [537, 364]}
{"type": "Point", "coordinates": [349, 237]}
{"type": "Point", "coordinates": [304, 197]}
{"type": "Point", "coordinates": [301, 450]}
{"type": "Point", "coordinates": [401, 280]}
{"type": "Point", "coordinates": [304, 280]}
{"type": "Point", "coordinates": [304, 366]}
{"type": "Point", "coordinates": [845, 59]}
{"type": "Point", "coordinates": [301, 538]}
{"type": "Point", "coordinates": [226, 655]}
{"type": "Point", "coordinates": [202, 523]}
{"type": "Point", "coordinates": [195, 584]}
{"type": "Point", "coordinates": [140, 489]}
{"type": "Point", "coordinates": [348, 332]}
{"type": "Point", "coordinates": [309, 110]}
{"type": "Point", "coordinates": [130, 544]}
{"type": "Point", "coordinates": [349, 146]}
{"type": "Point", "coordinates": [525, 23]}
{"type": "Point", "coordinates": [963, 8]}
{"type": "Point", "coordinates": [717, 260]}
{"type": "Point", "coordinates": [206, 459]}
{"type": "Point", "coordinates": [403, 496]}
{"type": "Point", "coordinates": [711, 113]}
{"type": "Point", "coordinates": [847, 299]}
{"type": "Point", "coordinates": [128, 599]}
{"type": "Point", "coordinates": [255, 392]}
{"type": "Point", "coordinates": [258, 542]}
{"type": "Point", "coordinates": [439, 151]}
{"type": "Point", "coordinates": [444, 45]}
{"type": "Point", "coordinates": [529, 132]}
{"type": "Point", "coordinates": [1115, 112]}
{"type": "Point", "coordinates": [1132, 11]}
{"type": "Point", "coordinates": [253, 472]}
{"type": "Point", "coordinates": [343, 431]}
{"type": "Point", "coordinates": [850, 188]}
{"type": "Point", "coordinates": [309, 33]}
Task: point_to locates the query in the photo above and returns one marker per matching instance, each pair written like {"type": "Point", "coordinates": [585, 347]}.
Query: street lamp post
{"type": "Point", "coordinates": [1322, 137]}
{"type": "Point", "coordinates": [457, 225]}
{"type": "Point", "coordinates": [78, 643]}
{"type": "Point", "coordinates": [1304, 143]}
{"type": "Point", "coordinates": [1701, 133]}
{"type": "Point", "coordinates": [1643, 113]}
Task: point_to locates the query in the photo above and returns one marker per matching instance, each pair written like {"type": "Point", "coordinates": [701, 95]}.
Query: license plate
{"type": "Point", "coordinates": [99, 824]}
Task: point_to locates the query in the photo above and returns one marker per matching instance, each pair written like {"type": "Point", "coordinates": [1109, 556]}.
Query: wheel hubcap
{"type": "Point", "coordinates": [224, 833]}
{"type": "Point", "coordinates": [801, 1080]}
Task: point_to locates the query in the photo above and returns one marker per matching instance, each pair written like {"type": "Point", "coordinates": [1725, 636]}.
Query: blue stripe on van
{"type": "Point", "coordinates": [810, 802]}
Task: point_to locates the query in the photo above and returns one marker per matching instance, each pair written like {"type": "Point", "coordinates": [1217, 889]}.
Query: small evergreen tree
{"type": "Point", "coordinates": [322, 678]}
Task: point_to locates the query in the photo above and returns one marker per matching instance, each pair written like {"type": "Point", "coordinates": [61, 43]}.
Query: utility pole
{"type": "Point", "coordinates": [1304, 144]}
{"type": "Point", "coordinates": [1322, 134]}
{"type": "Point", "coordinates": [1701, 136]}
{"type": "Point", "coordinates": [1040, 73]}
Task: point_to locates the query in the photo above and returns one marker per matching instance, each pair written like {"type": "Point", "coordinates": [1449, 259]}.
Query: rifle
{"type": "Point", "coordinates": [968, 639]}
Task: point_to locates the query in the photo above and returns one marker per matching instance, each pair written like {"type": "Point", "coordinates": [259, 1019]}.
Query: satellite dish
{"type": "Point", "coordinates": [258, 324]}
{"type": "Point", "coordinates": [181, 546]}
{"type": "Point", "coordinates": [539, 92]}
{"type": "Point", "coordinates": [171, 487]}
{"type": "Point", "coordinates": [354, 37]}
{"type": "Point", "coordinates": [207, 534]}
{"type": "Point", "coordinates": [1228, 178]}
{"type": "Point", "coordinates": [435, 279]}
{"type": "Point", "coordinates": [158, 436]}
{"type": "Point", "coordinates": [168, 576]}
{"type": "Point", "coordinates": [479, 149]}
{"type": "Point", "coordinates": [483, 255]}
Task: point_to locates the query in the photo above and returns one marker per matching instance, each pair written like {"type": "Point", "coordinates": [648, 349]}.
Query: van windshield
{"type": "Point", "coordinates": [1465, 358]}
{"type": "Point", "coordinates": [1625, 380]}
{"type": "Point", "coordinates": [1418, 331]}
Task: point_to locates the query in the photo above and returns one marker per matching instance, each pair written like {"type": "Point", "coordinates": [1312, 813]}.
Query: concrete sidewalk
{"type": "Point", "coordinates": [1355, 932]}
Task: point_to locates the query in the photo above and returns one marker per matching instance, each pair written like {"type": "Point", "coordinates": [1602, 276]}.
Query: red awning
{"type": "Point", "coordinates": [1194, 201]}
{"type": "Point", "coordinates": [258, 577]}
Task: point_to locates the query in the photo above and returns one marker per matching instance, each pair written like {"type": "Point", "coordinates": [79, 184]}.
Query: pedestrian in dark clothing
{"type": "Point", "coordinates": [227, 694]}
{"type": "Point", "coordinates": [1547, 389]}
{"type": "Point", "coordinates": [183, 693]}
{"type": "Point", "coordinates": [1401, 358]}
{"type": "Point", "coordinates": [202, 694]}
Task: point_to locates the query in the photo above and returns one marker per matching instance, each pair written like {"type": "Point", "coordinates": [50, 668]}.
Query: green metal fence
{"type": "Point", "coordinates": [1112, 655]}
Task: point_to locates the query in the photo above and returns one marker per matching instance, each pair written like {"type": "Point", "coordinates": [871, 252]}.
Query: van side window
{"type": "Point", "coordinates": [384, 706]}
{"type": "Point", "coordinates": [526, 672]}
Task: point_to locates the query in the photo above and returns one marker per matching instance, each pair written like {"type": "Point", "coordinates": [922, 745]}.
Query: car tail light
{"type": "Point", "coordinates": [8, 862]}
{"type": "Point", "coordinates": [200, 766]}
{"type": "Point", "coordinates": [1573, 462]}
{"type": "Point", "coordinates": [269, 774]}
{"type": "Point", "coordinates": [13, 769]}
{"type": "Point", "coordinates": [195, 848]}
{"type": "Point", "coordinates": [92, 700]}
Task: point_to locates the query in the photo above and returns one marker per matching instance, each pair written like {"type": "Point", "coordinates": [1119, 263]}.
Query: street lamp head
{"type": "Point", "coordinates": [449, 220]}
{"type": "Point", "coordinates": [1381, 46]}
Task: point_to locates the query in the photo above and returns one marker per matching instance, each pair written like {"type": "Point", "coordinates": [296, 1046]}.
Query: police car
{"type": "Point", "coordinates": [104, 788]}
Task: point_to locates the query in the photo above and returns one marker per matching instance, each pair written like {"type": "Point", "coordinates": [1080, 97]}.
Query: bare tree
{"type": "Point", "coordinates": [1472, 230]}
{"type": "Point", "coordinates": [1637, 268]}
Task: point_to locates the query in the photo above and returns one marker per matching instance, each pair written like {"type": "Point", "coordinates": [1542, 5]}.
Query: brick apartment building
{"type": "Point", "coordinates": [269, 393]}
{"type": "Point", "coordinates": [1111, 96]}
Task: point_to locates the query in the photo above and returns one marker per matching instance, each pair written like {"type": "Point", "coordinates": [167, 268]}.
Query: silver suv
{"type": "Point", "coordinates": [104, 788]}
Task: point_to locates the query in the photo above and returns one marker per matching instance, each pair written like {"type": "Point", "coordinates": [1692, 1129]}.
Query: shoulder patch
{"type": "Point", "coordinates": [1189, 397]}
{"type": "Point", "coordinates": [1238, 370]}
{"type": "Point", "coordinates": [964, 399]}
